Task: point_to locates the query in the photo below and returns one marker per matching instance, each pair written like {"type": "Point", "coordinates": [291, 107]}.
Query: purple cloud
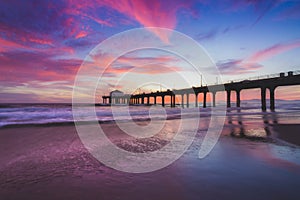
{"type": "Point", "coordinates": [207, 35]}
{"type": "Point", "coordinates": [234, 67]}
{"type": "Point", "coordinates": [22, 66]}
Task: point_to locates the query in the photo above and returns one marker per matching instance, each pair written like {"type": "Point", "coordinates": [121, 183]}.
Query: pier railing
{"type": "Point", "coordinates": [297, 72]}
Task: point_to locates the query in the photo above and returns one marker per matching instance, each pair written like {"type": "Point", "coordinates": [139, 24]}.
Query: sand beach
{"type": "Point", "coordinates": [50, 162]}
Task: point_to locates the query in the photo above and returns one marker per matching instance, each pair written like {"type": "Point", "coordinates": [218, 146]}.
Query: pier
{"type": "Point", "coordinates": [269, 82]}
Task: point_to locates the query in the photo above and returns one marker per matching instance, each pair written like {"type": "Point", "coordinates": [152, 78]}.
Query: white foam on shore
{"type": "Point", "coordinates": [62, 113]}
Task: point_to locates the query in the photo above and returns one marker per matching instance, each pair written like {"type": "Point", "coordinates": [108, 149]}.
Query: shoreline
{"type": "Point", "coordinates": [286, 134]}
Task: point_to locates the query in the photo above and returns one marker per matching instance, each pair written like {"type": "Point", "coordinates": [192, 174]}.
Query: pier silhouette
{"type": "Point", "coordinates": [269, 82]}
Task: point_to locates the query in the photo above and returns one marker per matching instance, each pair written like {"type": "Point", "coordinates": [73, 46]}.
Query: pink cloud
{"type": "Point", "coordinates": [6, 44]}
{"type": "Point", "coordinates": [41, 41]}
{"type": "Point", "coordinates": [21, 67]}
{"type": "Point", "coordinates": [146, 65]}
{"type": "Point", "coordinates": [140, 65]}
{"type": "Point", "coordinates": [54, 23]}
{"type": "Point", "coordinates": [153, 13]}
{"type": "Point", "coordinates": [49, 28]}
{"type": "Point", "coordinates": [33, 42]}
{"type": "Point", "coordinates": [98, 20]}
{"type": "Point", "coordinates": [146, 69]}
{"type": "Point", "coordinates": [234, 67]}
{"type": "Point", "coordinates": [145, 60]}
{"type": "Point", "coordinates": [81, 34]}
{"type": "Point", "coordinates": [251, 63]}
{"type": "Point", "coordinates": [273, 51]}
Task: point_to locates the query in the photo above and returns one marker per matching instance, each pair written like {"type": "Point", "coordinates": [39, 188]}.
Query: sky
{"type": "Point", "coordinates": [44, 43]}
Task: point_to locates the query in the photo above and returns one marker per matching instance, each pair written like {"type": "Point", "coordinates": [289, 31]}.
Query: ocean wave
{"type": "Point", "coordinates": [17, 114]}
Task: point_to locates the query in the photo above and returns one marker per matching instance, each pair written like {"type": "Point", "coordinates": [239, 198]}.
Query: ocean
{"type": "Point", "coordinates": [31, 114]}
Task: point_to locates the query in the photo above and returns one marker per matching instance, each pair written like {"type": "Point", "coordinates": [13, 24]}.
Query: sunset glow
{"type": "Point", "coordinates": [43, 43]}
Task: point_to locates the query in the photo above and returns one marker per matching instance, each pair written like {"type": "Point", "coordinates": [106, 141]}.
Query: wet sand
{"type": "Point", "coordinates": [50, 162]}
{"type": "Point", "coordinates": [288, 132]}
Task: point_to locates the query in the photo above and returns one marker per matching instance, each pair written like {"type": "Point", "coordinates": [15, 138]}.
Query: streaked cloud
{"type": "Point", "coordinates": [260, 7]}
{"type": "Point", "coordinates": [136, 64]}
{"type": "Point", "coordinates": [23, 66]}
{"type": "Point", "coordinates": [149, 69]}
{"type": "Point", "coordinates": [209, 35]}
{"type": "Point", "coordinates": [234, 67]}
{"type": "Point", "coordinates": [291, 12]}
{"type": "Point", "coordinates": [273, 51]}
{"type": "Point", "coordinates": [153, 13]}
{"type": "Point", "coordinates": [251, 63]}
